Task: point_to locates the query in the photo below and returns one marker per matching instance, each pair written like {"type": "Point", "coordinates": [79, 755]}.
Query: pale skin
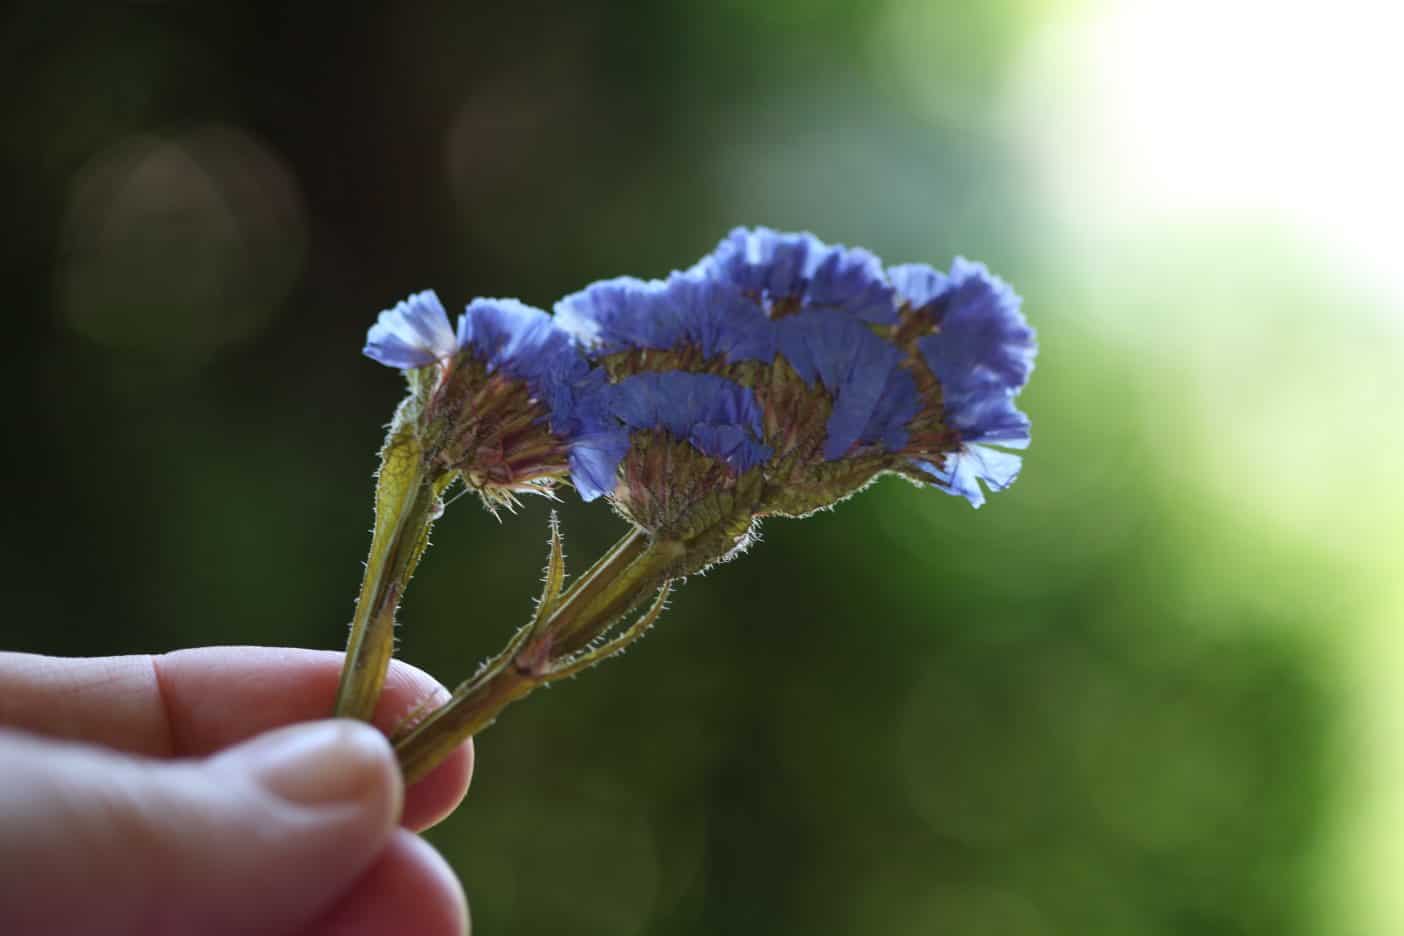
{"type": "Point", "coordinates": [168, 794]}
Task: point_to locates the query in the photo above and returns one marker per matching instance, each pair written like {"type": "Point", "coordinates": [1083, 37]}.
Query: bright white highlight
{"type": "Point", "coordinates": [1288, 111]}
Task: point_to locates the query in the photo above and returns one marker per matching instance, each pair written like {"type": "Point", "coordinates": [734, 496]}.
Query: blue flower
{"type": "Point", "coordinates": [516, 405]}
{"type": "Point", "coordinates": [622, 314]}
{"type": "Point", "coordinates": [525, 343]}
{"type": "Point", "coordinates": [594, 462]}
{"type": "Point", "coordinates": [963, 470]}
{"type": "Point", "coordinates": [859, 369]}
{"type": "Point", "coordinates": [416, 332]}
{"type": "Point", "coordinates": [982, 354]}
{"type": "Point", "coordinates": [759, 295]}
{"type": "Point", "coordinates": [517, 339]}
{"type": "Point", "coordinates": [983, 339]}
{"type": "Point", "coordinates": [789, 269]}
{"type": "Point", "coordinates": [896, 407]}
{"type": "Point", "coordinates": [773, 343]}
{"type": "Point", "coordinates": [719, 417]}
{"type": "Point", "coordinates": [917, 284]}
{"type": "Point", "coordinates": [910, 364]}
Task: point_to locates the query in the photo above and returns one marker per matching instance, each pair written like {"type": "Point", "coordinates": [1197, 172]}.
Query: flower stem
{"type": "Point", "coordinates": [405, 507]}
{"type": "Point", "coordinates": [633, 569]}
{"type": "Point", "coordinates": [608, 568]}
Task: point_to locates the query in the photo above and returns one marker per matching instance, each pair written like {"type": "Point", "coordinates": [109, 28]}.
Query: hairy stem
{"type": "Point", "coordinates": [406, 503]}
{"type": "Point", "coordinates": [634, 568]}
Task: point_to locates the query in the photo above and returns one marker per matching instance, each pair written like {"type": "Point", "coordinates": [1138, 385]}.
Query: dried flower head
{"type": "Point", "coordinates": [797, 373]}
{"type": "Point", "coordinates": [506, 402]}
{"type": "Point", "coordinates": [777, 376]}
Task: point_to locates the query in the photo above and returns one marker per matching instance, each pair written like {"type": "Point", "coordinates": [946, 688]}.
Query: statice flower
{"type": "Point", "coordinates": [695, 454]}
{"type": "Point", "coordinates": [508, 402]}
{"type": "Point", "coordinates": [415, 333]}
{"type": "Point", "coordinates": [505, 404]}
{"type": "Point", "coordinates": [790, 272]}
{"type": "Point", "coordinates": [973, 352]}
{"type": "Point", "coordinates": [855, 371]}
{"type": "Point", "coordinates": [777, 376]}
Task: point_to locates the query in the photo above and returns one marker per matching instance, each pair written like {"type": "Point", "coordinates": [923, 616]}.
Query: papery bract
{"type": "Point", "coordinates": [981, 351]}
{"type": "Point", "coordinates": [718, 416]}
{"type": "Point", "coordinates": [513, 405]}
{"type": "Point", "coordinates": [414, 333]}
{"type": "Point", "coordinates": [785, 270]}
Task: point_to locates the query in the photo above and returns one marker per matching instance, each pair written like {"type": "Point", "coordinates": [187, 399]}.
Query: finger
{"type": "Point", "coordinates": [264, 837]}
{"type": "Point", "coordinates": [410, 889]}
{"type": "Point", "coordinates": [195, 702]}
{"type": "Point", "coordinates": [190, 702]}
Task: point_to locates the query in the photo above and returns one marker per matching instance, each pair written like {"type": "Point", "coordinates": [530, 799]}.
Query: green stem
{"type": "Point", "coordinates": [631, 571]}
{"type": "Point", "coordinates": [405, 501]}
{"type": "Point", "coordinates": [632, 575]}
{"type": "Point", "coordinates": [474, 706]}
{"type": "Point", "coordinates": [606, 569]}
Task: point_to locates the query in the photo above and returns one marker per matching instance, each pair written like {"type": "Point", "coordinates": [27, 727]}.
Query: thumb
{"type": "Point", "coordinates": [258, 839]}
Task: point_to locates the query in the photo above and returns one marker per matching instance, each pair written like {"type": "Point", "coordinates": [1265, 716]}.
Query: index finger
{"type": "Point", "coordinates": [196, 702]}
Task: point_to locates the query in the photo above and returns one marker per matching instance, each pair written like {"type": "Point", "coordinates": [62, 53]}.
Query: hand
{"type": "Point", "coordinates": [163, 795]}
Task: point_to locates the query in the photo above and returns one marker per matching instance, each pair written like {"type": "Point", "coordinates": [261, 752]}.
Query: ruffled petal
{"type": "Point", "coordinates": [982, 355]}
{"type": "Point", "coordinates": [416, 332]}
{"type": "Point", "coordinates": [895, 410]}
{"type": "Point", "coordinates": [731, 444]}
{"type": "Point", "coordinates": [778, 266]}
{"type": "Point", "coordinates": [594, 462]}
{"type": "Point", "coordinates": [516, 338]}
{"type": "Point", "coordinates": [853, 364]}
{"type": "Point", "coordinates": [719, 416]}
{"type": "Point", "coordinates": [917, 284]}
{"type": "Point", "coordinates": [621, 313]}
{"type": "Point", "coordinates": [871, 363]}
{"type": "Point", "coordinates": [982, 335]}
{"type": "Point", "coordinates": [964, 470]}
{"type": "Point", "coordinates": [624, 313]}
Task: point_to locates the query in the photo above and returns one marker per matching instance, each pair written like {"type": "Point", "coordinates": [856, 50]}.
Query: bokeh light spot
{"type": "Point", "coordinates": [180, 245]}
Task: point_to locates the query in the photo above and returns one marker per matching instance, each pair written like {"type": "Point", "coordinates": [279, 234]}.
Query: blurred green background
{"type": "Point", "coordinates": [1149, 690]}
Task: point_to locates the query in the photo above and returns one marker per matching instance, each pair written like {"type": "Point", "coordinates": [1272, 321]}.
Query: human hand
{"type": "Point", "coordinates": [166, 795]}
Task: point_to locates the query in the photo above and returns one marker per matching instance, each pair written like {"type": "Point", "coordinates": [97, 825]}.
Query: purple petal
{"type": "Point", "coordinates": [917, 284]}
{"type": "Point", "coordinates": [964, 470]}
{"type": "Point", "coordinates": [895, 410]}
{"type": "Point", "coordinates": [779, 266]}
{"type": "Point", "coordinates": [594, 462]}
{"type": "Point", "coordinates": [718, 416]}
{"type": "Point", "coordinates": [982, 355]}
{"type": "Point", "coordinates": [621, 313]}
{"type": "Point", "coordinates": [416, 332]}
{"type": "Point", "coordinates": [731, 444]}
{"type": "Point", "coordinates": [853, 364]}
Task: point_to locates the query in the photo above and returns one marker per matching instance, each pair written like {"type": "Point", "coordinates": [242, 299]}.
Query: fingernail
{"type": "Point", "coordinates": [325, 762]}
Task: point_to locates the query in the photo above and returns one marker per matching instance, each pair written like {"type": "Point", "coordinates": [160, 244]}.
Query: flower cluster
{"type": "Point", "coordinates": [856, 371]}
{"type": "Point", "coordinates": [778, 375]}
{"type": "Point", "coordinates": [510, 403]}
{"type": "Point", "coordinates": [775, 377]}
